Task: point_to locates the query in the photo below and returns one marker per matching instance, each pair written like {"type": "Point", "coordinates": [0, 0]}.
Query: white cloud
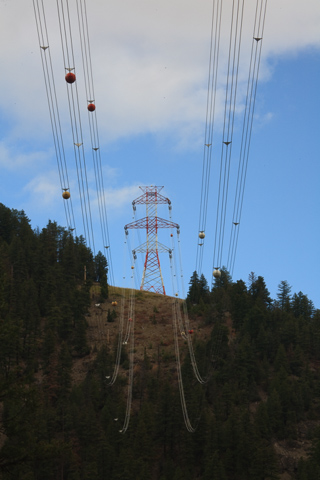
{"type": "Point", "coordinates": [117, 199]}
{"type": "Point", "coordinates": [150, 63]}
{"type": "Point", "coordinates": [262, 120]}
{"type": "Point", "coordinates": [43, 190]}
{"type": "Point", "coordinates": [11, 159]}
{"type": "Point", "coordinates": [291, 26]}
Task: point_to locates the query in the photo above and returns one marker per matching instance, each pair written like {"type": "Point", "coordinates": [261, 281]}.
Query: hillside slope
{"type": "Point", "coordinates": [154, 339]}
{"type": "Point", "coordinates": [257, 417]}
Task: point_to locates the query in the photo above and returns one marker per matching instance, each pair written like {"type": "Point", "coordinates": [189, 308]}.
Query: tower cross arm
{"type": "Point", "coordinates": [152, 222]}
{"type": "Point", "coordinates": [151, 198]}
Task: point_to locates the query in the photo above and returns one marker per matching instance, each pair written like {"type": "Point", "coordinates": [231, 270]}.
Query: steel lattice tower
{"type": "Point", "coordinates": [152, 279]}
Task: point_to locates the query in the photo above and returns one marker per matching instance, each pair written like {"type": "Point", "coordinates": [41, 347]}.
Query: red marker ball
{"type": "Point", "coordinates": [91, 107]}
{"type": "Point", "coordinates": [70, 77]}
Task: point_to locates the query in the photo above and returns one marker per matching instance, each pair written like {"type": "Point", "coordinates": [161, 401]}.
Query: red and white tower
{"type": "Point", "coordinates": [152, 279]}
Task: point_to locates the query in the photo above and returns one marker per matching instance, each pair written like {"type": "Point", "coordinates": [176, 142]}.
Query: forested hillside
{"type": "Point", "coordinates": [258, 415]}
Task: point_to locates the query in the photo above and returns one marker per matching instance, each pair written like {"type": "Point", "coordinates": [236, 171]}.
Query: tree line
{"type": "Point", "coordinates": [262, 357]}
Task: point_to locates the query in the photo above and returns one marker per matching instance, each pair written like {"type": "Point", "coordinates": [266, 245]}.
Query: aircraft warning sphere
{"type": "Point", "coordinates": [70, 77]}
{"type": "Point", "coordinates": [91, 107]}
{"type": "Point", "coordinates": [66, 195]}
{"type": "Point", "coordinates": [201, 235]}
{"type": "Point", "coordinates": [216, 273]}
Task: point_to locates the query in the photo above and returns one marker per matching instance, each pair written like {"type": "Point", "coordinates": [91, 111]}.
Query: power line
{"type": "Point", "coordinates": [228, 124]}
{"type": "Point", "coordinates": [209, 124]}
{"type": "Point", "coordinates": [41, 25]}
{"type": "Point", "coordinates": [93, 124]}
{"type": "Point", "coordinates": [75, 120]}
{"type": "Point", "coordinates": [226, 169]}
{"type": "Point", "coordinates": [247, 127]}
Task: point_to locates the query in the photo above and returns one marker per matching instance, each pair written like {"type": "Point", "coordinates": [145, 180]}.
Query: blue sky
{"type": "Point", "coordinates": [150, 65]}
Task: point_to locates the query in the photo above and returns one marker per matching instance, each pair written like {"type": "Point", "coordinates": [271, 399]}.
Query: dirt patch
{"type": "Point", "coordinates": [153, 330]}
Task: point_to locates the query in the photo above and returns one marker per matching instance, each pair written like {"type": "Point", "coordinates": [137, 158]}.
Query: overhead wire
{"type": "Point", "coordinates": [75, 120]}
{"type": "Point", "coordinates": [209, 123]}
{"type": "Point", "coordinates": [255, 58]}
{"type": "Point", "coordinates": [186, 418]}
{"type": "Point", "coordinates": [181, 328]}
{"type": "Point", "coordinates": [133, 257]}
{"type": "Point", "coordinates": [123, 336]}
{"type": "Point", "coordinates": [115, 372]}
{"type": "Point", "coordinates": [183, 322]}
{"type": "Point", "coordinates": [228, 124]}
{"type": "Point", "coordinates": [230, 103]}
{"type": "Point", "coordinates": [66, 60]}
{"type": "Point", "coordinates": [130, 340]}
{"type": "Point", "coordinates": [46, 60]}
{"type": "Point", "coordinates": [93, 126]}
{"type": "Point", "coordinates": [223, 189]}
{"type": "Point", "coordinates": [139, 240]}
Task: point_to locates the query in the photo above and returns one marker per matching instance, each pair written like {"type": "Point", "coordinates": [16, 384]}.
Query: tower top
{"type": "Point", "coordinates": [151, 195]}
{"type": "Point", "coordinates": [151, 188]}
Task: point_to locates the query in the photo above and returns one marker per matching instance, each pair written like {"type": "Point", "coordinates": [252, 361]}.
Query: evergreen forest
{"type": "Point", "coordinates": [258, 415]}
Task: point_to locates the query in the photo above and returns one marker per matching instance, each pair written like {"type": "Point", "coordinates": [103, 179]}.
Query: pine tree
{"type": "Point", "coordinates": [194, 289]}
{"type": "Point", "coordinates": [220, 292]}
{"type": "Point", "coordinates": [284, 295]}
{"type": "Point", "coordinates": [275, 414]}
{"type": "Point", "coordinates": [258, 290]}
{"type": "Point", "coordinates": [214, 469]}
{"type": "Point", "coordinates": [10, 349]}
{"type": "Point", "coordinates": [239, 303]}
{"type": "Point", "coordinates": [262, 421]}
{"type": "Point", "coordinates": [264, 463]}
{"type": "Point", "coordinates": [281, 360]}
{"type": "Point", "coordinates": [101, 267]}
{"type": "Point", "coordinates": [302, 306]}
{"type": "Point", "coordinates": [204, 288]}
{"type": "Point", "coordinates": [64, 371]}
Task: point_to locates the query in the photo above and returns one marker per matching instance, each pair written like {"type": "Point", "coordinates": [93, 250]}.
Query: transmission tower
{"type": "Point", "coordinates": [152, 279]}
